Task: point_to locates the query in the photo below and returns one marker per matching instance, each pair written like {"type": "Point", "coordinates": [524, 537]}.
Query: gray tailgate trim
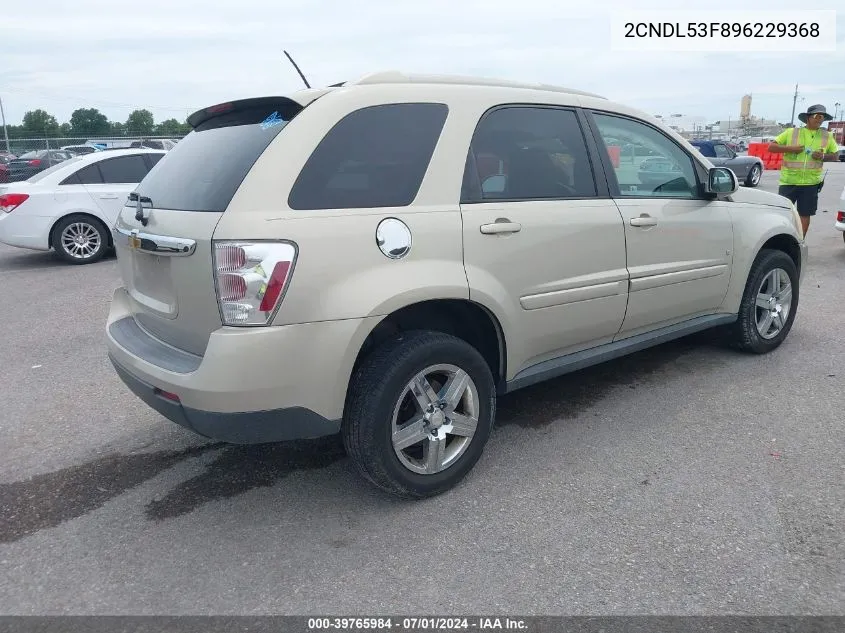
{"type": "Point", "coordinates": [136, 341]}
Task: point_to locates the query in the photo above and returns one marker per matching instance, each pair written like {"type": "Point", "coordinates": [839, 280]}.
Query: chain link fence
{"type": "Point", "coordinates": [19, 146]}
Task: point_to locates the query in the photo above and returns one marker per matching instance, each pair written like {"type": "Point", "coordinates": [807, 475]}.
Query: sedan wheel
{"type": "Point", "coordinates": [80, 240]}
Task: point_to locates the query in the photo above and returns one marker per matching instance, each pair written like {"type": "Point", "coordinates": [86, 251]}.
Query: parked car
{"type": "Point", "coordinates": [658, 173]}
{"type": "Point", "coordinates": [28, 164]}
{"type": "Point", "coordinates": [385, 258]}
{"type": "Point", "coordinates": [71, 206]}
{"type": "Point", "coordinates": [5, 159]}
{"type": "Point", "coordinates": [155, 143]}
{"type": "Point", "coordinates": [840, 215]}
{"type": "Point", "coordinates": [842, 153]}
{"type": "Point", "coordinates": [748, 169]}
{"type": "Point", "coordinates": [78, 150]}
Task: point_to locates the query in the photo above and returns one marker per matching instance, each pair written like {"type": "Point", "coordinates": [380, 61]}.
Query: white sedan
{"type": "Point", "coordinates": [71, 206]}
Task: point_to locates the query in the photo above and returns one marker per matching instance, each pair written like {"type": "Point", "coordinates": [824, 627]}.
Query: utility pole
{"type": "Point", "coordinates": [794, 101]}
{"type": "Point", "coordinates": [5, 131]}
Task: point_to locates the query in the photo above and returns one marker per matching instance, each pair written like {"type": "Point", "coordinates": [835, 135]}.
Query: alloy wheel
{"type": "Point", "coordinates": [81, 240]}
{"type": "Point", "coordinates": [435, 419]}
{"type": "Point", "coordinates": [773, 304]}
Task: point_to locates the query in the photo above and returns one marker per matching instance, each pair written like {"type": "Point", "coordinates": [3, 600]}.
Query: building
{"type": "Point", "coordinates": [745, 107]}
{"type": "Point", "coordinates": [838, 130]}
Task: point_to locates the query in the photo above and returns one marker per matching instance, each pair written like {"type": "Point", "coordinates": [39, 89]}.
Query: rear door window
{"type": "Point", "coordinates": [374, 157]}
{"type": "Point", "coordinates": [124, 169]}
{"type": "Point", "coordinates": [89, 175]}
{"type": "Point", "coordinates": [204, 170]}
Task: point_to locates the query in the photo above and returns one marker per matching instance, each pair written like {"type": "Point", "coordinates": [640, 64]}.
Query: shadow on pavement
{"type": "Point", "coordinates": [45, 501]}
{"type": "Point", "coordinates": [21, 259]}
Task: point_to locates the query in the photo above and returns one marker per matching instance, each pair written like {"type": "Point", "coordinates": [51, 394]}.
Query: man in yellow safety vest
{"type": "Point", "coordinates": [805, 149]}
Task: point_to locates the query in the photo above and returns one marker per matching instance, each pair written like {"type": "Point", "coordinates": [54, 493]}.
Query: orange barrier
{"type": "Point", "coordinates": [770, 160]}
{"type": "Point", "coordinates": [615, 154]}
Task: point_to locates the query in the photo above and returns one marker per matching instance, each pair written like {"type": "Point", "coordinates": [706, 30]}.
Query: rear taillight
{"type": "Point", "coordinates": [251, 279]}
{"type": "Point", "coordinates": [35, 162]}
{"type": "Point", "coordinates": [840, 217]}
{"type": "Point", "coordinates": [10, 201]}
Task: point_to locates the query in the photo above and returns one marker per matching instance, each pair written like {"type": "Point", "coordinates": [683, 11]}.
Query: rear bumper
{"type": "Point", "coordinates": [25, 231]}
{"type": "Point", "coordinates": [251, 385]}
{"type": "Point", "coordinates": [252, 427]}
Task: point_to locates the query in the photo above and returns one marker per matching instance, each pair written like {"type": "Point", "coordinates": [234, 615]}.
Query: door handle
{"type": "Point", "coordinates": [644, 220]}
{"type": "Point", "coordinates": [501, 225]}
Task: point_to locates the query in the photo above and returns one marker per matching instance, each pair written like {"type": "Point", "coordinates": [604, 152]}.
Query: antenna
{"type": "Point", "coordinates": [307, 85]}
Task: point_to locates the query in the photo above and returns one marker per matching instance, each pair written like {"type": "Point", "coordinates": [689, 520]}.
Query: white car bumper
{"type": "Point", "coordinates": [25, 231]}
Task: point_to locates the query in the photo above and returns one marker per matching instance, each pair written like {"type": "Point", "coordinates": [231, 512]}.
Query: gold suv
{"type": "Point", "coordinates": [382, 258]}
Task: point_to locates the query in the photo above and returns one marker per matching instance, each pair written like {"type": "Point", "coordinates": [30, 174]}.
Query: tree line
{"type": "Point", "coordinates": [90, 122]}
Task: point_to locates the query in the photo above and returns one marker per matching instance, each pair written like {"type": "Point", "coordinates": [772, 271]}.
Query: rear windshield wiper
{"type": "Point", "coordinates": [139, 205]}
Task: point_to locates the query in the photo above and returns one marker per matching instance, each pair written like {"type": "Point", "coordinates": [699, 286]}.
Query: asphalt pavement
{"type": "Point", "coordinates": [686, 479]}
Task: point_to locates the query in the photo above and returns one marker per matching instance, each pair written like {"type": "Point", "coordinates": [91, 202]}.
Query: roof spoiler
{"type": "Point", "coordinates": [270, 104]}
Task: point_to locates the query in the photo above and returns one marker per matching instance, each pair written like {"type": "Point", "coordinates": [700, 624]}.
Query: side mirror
{"type": "Point", "coordinates": [721, 181]}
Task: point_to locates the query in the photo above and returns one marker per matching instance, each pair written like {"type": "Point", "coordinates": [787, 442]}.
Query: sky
{"type": "Point", "coordinates": [176, 56]}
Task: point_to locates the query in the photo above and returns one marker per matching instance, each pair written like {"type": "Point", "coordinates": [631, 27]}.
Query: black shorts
{"type": "Point", "coordinates": [805, 197]}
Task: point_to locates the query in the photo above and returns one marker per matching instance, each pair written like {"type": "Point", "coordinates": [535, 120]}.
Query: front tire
{"type": "Point", "coordinates": [419, 413]}
{"type": "Point", "coordinates": [80, 239]}
{"type": "Point", "coordinates": [769, 303]}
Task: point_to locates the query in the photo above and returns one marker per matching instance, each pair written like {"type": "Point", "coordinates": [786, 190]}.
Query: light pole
{"type": "Point", "coordinates": [794, 101]}
{"type": "Point", "coordinates": [5, 131]}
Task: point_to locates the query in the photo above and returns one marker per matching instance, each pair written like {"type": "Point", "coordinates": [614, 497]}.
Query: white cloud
{"type": "Point", "coordinates": [175, 57]}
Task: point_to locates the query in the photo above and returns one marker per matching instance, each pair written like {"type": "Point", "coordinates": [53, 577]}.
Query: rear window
{"type": "Point", "coordinates": [204, 170]}
{"type": "Point", "coordinates": [373, 157]}
{"type": "Point", "coordinates": [124, 169]}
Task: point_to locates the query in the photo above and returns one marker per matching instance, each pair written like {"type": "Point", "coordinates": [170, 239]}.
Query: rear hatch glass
{"type": "Point", "coordinates": [204, 170]}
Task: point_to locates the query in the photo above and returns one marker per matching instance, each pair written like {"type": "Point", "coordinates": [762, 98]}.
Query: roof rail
{"type": "Point", "coordinates": [396, 77]}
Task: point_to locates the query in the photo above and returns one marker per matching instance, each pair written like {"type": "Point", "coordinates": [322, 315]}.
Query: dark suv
{"type": "Point", "coordinates": [748, 169]}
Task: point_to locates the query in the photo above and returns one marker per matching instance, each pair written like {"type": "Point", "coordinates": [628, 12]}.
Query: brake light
{"type": "Point", "coordinates": [220, 107]}
{"type": "Point", "coordinates": [10, 201]}
{"type": "Point", "coordinates": [840, 217]}
{"type": "Point", "coordinates": [251, 279]}
{"type": "Point", "coordinates": [35, 162]}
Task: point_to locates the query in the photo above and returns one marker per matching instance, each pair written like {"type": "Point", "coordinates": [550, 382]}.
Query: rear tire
{"type": "Point", "coordinates": [769, 304]}
{"type": "Point", "coordinates": [80, 239]}
{"type": "Point", "coordinates": [383, 403]}
{"type": "Point", "coordinates": [753, 178]}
